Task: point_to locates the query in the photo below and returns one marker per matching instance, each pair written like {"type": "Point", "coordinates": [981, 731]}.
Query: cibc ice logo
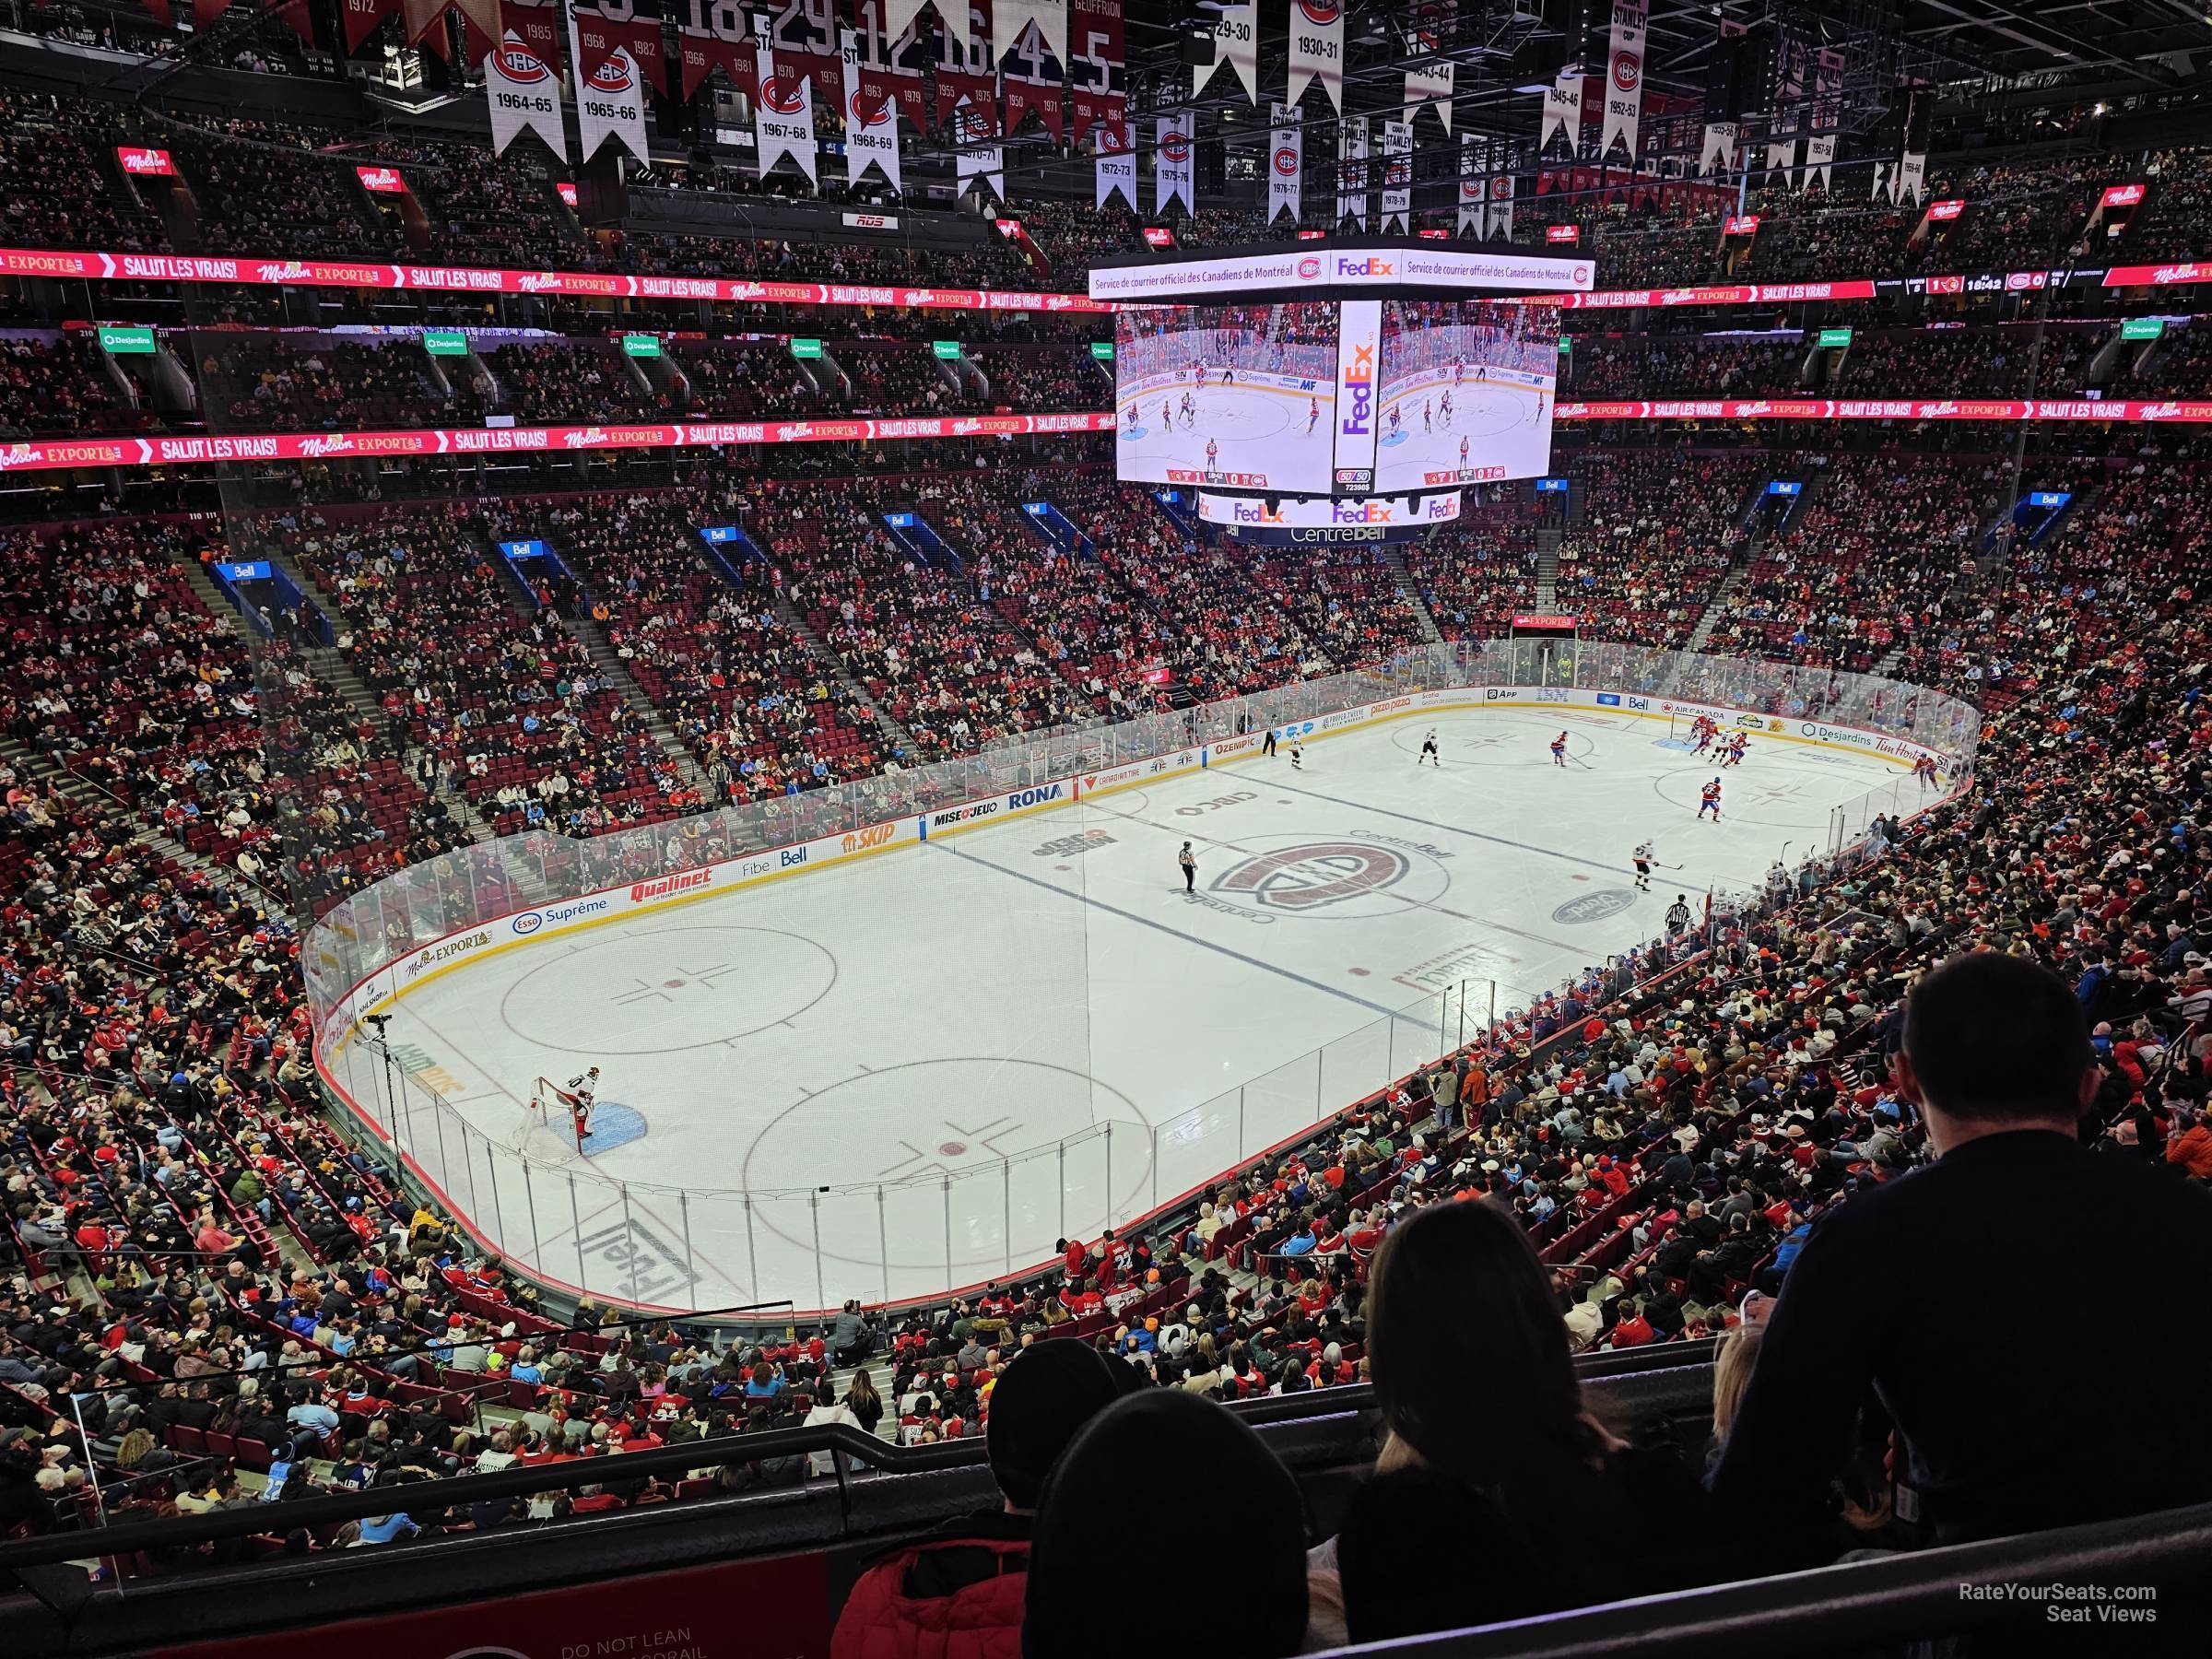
{"type": "Point", "coordinates": [785, 94]}
{"type": "Point", "coordinates": [1594, 907]}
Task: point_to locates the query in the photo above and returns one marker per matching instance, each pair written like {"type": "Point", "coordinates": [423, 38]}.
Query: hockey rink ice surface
{"type": "Point", "coordinates": [1499, 420]}
{"type": "Point", "coordinates": [929, 1013]}
{"type": "Point", "coordinates": [1257, 429]}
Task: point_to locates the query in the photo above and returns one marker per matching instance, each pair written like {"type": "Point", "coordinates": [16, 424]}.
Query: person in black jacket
{"type": "Point", "coordinates": [2079, 1411]}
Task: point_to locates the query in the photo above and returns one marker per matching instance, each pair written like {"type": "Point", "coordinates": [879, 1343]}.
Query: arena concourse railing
{"type": "Point", "coordinates": [560, 1219]}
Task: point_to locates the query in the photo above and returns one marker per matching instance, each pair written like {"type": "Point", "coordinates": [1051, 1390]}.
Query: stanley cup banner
{"type": "Point", "coordinates": [1430, 83]}
{"type": "Point", "coordinates": [524, 94]}
{"type": "Point", "coordinates": [1563, 111]}
{"type": "Point", "coordinates": [871, 122]}
{"type": "Point", "coordinates": [1827, 115]}
{"type": "Point", "coordinates": [782, 111]}
{"type": "Point", "coordinates": [1098, 67]}
{"type": "Point", "coordinates": [1624, 78]}
{"type": "Point", "coordinates": [1351, 170]}
{"type": "Point", "coordinates": [1501, 228]}
{"type": "Point", "coordinates": [1116, 165]}
{"type": "Point", "coordinates": [610, 97]}
{"type": "Point", "coordinates": [975, 129]}
{"type": "Point", "coordinates": [1398, 175]}
{"type": "Point", "coordinates": [1237, 44]}
{"type": "Point", "coordinates": [1719, 154]}
{"type": "Point", "coordinates": [1285, 162]}
{"type": "Point", "coordinates": [1175, 161]}
{"type": "Point", "coordinates": [1316, 50]}
{"type": "Point", "coordinates": [1474, 183]}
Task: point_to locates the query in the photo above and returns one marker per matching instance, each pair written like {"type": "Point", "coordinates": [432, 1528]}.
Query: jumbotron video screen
{"type": "Point", "coordinates": [1240, 395]}
{"type": "Point", "coordinates": [1324, 397]}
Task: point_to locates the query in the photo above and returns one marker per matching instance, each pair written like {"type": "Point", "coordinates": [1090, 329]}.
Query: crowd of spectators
{"type": "Point", "coordinates": [262, 187]}
{"type": "Point", "coordinates": [57, 182]}
{"type": "Point", "coordinates": [254, 380]}
{"type": "Point", "coordinates": [759, 711]}
{"type": "Point", "coordinates": [1652, 536]}
{"type": "Point", "coordinates": [1866, 562]}
{"type": "Point", "coordinates": [58, 383]}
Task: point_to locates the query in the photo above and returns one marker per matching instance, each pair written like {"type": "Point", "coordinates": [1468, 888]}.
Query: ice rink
{"type": "Point", "coordinates": [1502, 424]}
{"type": "Point", "coordinates": [897, 1028]}
{"type": "Point", "coordinates": [1259, 431]}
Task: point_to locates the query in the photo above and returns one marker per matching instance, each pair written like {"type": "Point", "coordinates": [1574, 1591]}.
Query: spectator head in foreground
{"type": "Point", "coordinates": [1994, 1043]}
{"type": "Point", "coordinates": [1098, 1525]}
{"type": "Point", "coordinates": [960, 1589]}
{"type": "Point", "coordinates": [1464, 1336]}
{"type": "Point", "coordinates": [1042, 1401]}
{"type": "Point", "coordinates": [2008, 1424]}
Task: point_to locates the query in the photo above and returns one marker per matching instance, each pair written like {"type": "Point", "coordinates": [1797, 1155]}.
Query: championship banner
{"type": "Point", "coordinates": [1316, 50]}
{"type": "Point", "coordinates": [1500, 226]}
{"type": "Point", "coordinates": [1911, 172]}
{"type": "Point", "coordinates": [539, 22]}
{"type": "Point", "coordinates": [1827, 115]}
{"type": "Point", "coordinates": [894, 65]}
{"type": "Point", "coordinates": [1563, 111]}
{"type": "Point", "coordinates": [1433, 24]}
{"type": "Point", "coordinates": [1789, 112]}
{"type": "Point", "coordinates": [299, 19]}
{"type": "Point", "coordinates": [362, 17]}
{"type": "Point", "coordinates": [1237, 43]}
{"type": "Point", "coordinates": [782, 112]}
{"type": "Point", "coordinates": [1624, 78]}
{"type": "Point", "coordinates": [599, 29]}
{"type": "Point", "coordinates": [1098, 70]}
{"type": "Point", "coordinates": [1474, 186]}
{"type": "Point", "coordinates": [1009, 17]}
{"type": "Point", "coordinates": [1286, 160]}
{"type": "Point", "coordinates": [524, 95]}
{"type": "Point", "coordinates": [975, 130]}
{"type": "Point", "coordinates": [610, 103]}
{"type": "Point", "coordinates": [1351, 170]}
{"type": "Point", "coordinates": [55, 455]}
{"type": "Point", "coordinates": [1719, 154]}
{"type": "Point", "coordinates": [1398, 175]}
{"type": "Point", "coordinates": [871, 122]}
{"type": "Point", "coordinates": [1034, 81]}
{"type": "Point", "coordinates": [1115, 169]}
{"type": "Point", "coordinates": [1175, 161]}
{"type": "Point", "coordinates": [711, 37]}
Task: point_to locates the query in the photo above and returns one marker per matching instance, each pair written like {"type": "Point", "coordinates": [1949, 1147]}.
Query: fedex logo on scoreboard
{"type": "Point", "coordinates": [1359, 343]}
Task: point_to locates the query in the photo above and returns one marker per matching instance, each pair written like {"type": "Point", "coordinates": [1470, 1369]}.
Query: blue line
{"type": "Point", "coordinates": [1236, 956]}
{"type": "Point", "coordinates": [1274, 783]}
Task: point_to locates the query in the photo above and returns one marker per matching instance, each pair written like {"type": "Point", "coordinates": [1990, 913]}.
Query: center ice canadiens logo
{"type": "Point", "coordinates": [1311, 876]}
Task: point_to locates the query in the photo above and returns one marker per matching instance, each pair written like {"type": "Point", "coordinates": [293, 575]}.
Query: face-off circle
{"type": "Point", "coordinates": [668, 989]}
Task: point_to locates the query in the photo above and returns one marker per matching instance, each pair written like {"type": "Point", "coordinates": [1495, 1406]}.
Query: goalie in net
{"type": "Point", "coordinates": [567, 1111]}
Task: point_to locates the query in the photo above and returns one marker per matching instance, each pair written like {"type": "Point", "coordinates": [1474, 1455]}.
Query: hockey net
{"type": "Point", "coordinates": [546, 1125]}
{"type": "Point", "coordinates": [1681, 727]}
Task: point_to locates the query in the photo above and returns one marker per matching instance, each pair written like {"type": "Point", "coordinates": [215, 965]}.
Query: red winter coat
{"type": "Point", "coordinates": [980, 1620]}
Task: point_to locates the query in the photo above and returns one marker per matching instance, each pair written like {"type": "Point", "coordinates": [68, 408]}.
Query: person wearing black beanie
{"type": "Point", "coordinates": [960, 1590]}
{"type": "Point", "coordinates": [1097, 1529]}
